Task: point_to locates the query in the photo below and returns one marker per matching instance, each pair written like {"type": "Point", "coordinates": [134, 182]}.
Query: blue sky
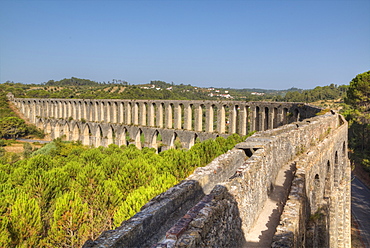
{"type": "Point", "coordinates": [237, 44]}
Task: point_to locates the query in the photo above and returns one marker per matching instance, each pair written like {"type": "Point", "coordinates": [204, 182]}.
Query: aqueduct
{"type": "Point", "coordinates": [295, 169]}
{"type": "Point", "coordinates": [144, 122]}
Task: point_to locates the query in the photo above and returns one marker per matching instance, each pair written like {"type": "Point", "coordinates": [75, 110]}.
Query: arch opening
{"type": "Point", "coordinates": [86, 134]}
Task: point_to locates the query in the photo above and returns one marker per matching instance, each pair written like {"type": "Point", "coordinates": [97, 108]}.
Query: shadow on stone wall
{"type": "Point", "coordinates": [214, 221]}
{"type": "Point", "coordinates": [157, 216]}
{"type": "Point", "coordinates": [277, 197]}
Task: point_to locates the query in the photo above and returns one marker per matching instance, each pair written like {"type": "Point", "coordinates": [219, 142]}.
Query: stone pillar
{"type": "Point", "coordinates": [128, 113]}
{"type": "Point", "coordinates": [47, 109]}
{"type": "Point", "coordinates": [198, 117]}
{"type": "Point", "coordinates": [82, 110]}
{"type": "Point", "coordinates": [41, 109]}
{"type": "Point", "coordinates": [103, 111]}
{"type": "Point", "coordinates": [73, 110]}
{"type": "Point", "coordinates": [78, 110]}
{"type": "Point", "coordinates": [280, 117]}
{"type": "Point", "coordinates": [114, 112]}
{"type": "Point", "coordinates": [87, 110]}
{"type": "Point", "coordinates": [97, 112]}
{"type": "Point", "coordinates": [57, 109]}
{"type": "Point", "coordinates": [37, 108]}
{"type": "Point", "coordinates": [51, 109]}
{"type": "Point", "coordinates": [168, 115]}
{"type": "Point", "coordinates": [32, 112]}
{"type": "Point", "coordinates": [221, 119]}
{"type": "Point", "coordinates": [91, 111]}
{"type": "Point", "coordinates": [271, 118]}
{"type": "Point", "coordinates": [109, 112]}
{"type": "Point", "coordinates": [46, 113]}
{"type": "Point", "coordinates": [232, 119]}
{"type": "Point", "coordinates": [62, 110]}
{"type": "Point", "coordinates": [340, 216]}
{"type": "Point", "coordinates": [274, 119]}
{"type": "Point", "coordinates": [121, 112]}
{"type": "Point", "coordinates": [261, 119]}
{"type": "Point", "coordinates": [143, 114]}
{"type": "Point", "coordinates": [209, 118]}
{"type": "Point", "coordinates": [24, 108]}
{"type": "Point", "coordinates": [187, 116]}
{"type": "Point", "coordinates": [135, 113]}
{"type": "Point", "coordinates": [69, 109]}
{"type": "Point", "coordinates": [159, 115]}
{"type": "Point", "coordinates": [243, 123]}
{"type": "Point", "coordinates": [177, 117]}
{"type": "Point", "coordinates": [333, 227]}
{"type": "Point", "coordinates": [151, 115]}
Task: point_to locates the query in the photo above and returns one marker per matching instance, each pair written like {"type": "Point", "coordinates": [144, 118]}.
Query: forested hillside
{"type": "Point", "coordinates": [11, 126]}
{"type": "Point", "coordinates": [119, 89]}
{"type": "Point", "coordinates": [66, 193]}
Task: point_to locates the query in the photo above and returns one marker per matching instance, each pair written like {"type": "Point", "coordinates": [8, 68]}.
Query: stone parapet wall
{"type": "Point", "coordinates": [317, 211]}
{"type": "Point", "coordinates": [159, 214]}
{"type": "Point", "coordinates": [235, 188]}
{"type": "Point", "coordinates": [213, 222]}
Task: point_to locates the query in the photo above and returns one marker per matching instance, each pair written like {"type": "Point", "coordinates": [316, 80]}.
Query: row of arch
{"type": "Point", "coordinates": [200, 116]}
{"type": "Point", "coordinates": [328, 194]}
{"type": "Point", "coordinates": [103, 134]}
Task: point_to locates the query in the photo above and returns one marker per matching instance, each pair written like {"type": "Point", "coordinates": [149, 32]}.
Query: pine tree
{"type": "Point", "coordinates": [25, 221]}
{"type": "Point", "coordinates": [68, 226]}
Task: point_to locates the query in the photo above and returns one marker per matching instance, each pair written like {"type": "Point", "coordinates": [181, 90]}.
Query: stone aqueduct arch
{"type": "Point", "coordinates": [102, 122]}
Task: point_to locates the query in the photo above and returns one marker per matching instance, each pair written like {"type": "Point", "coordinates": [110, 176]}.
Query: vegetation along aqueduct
{"type": "Point", "coordinates": [294, 169]}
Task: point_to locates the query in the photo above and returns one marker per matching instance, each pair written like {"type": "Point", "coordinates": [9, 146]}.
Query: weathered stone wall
{"type": "Point", "coordinates": [157, 216]}
{"type": "Point", "coordinates": [316, 213]}
{"type": "Point", "coordinates": [320, 195]}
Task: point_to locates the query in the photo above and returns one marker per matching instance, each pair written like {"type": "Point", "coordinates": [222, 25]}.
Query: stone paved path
{"type": "Point", "coordinates": [262, 233]}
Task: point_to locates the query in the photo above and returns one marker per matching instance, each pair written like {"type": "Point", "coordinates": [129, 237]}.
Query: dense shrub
{"type": "Point", "coordinates": [65, 193]}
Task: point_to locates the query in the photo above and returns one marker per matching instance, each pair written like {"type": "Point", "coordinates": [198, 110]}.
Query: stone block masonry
{"type": "Point", "coordinates": [316, 211]}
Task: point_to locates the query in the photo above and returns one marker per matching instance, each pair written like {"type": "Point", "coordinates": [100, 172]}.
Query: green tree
{"type": "Point", "coordinates": [12, 127]}
{"type": "Point", "coordinates": [27, 150]}
{"type": "Point", "coordinates": [358, 116]}
{"type": "Point", "coordinates": [358, 94]}
{"type": "Point", "coordinates": [26, 224]}
{"type": "Point", "coordinates": [68, 224]}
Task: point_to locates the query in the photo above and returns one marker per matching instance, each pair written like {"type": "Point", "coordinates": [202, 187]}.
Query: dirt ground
{"type": "Point", "coordinates": [18, 147]}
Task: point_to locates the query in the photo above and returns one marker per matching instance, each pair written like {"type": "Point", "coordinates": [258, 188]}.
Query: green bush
{"type": "Point", "coordinates": [70, 189]}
